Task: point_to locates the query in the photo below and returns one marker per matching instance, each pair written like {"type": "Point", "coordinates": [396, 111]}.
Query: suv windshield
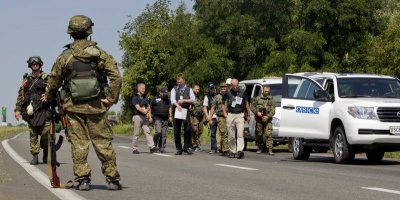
{"type": "Point", "coordinates": [368, 87]}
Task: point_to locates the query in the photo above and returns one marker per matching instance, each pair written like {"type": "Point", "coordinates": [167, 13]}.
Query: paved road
{"type": "Point", "coordinates": [201, 176]}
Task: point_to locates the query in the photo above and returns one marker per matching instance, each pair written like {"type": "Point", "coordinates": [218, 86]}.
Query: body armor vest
{"type": "Point", "coordinates": [33, 90]}
{"type": "Point", "coordinates": [231, 98]}
{"type": "Point", "coordinates": [161, 108]}
{"type": "Point", "coordinates": [142, 103]}
{"type": "Point", "coordinates": [185, 94]}
{"type": "Point", "coordinates": [198, 107]}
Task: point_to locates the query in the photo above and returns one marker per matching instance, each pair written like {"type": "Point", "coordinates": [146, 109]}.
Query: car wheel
{"type": "Point", "coordinates": [300, 152]}
{"type": "Point", "coordinates": [342, 151]}
{"type": "Point", "coordinates": [375, 155]}
{"type": "Point", "coordinates": [290, 145]}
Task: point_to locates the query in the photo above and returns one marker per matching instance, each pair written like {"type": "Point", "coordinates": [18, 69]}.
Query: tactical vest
{"type": "Point", "coordinates": [161, 108]}
{"type": "Point", "coordinates": [142, 103]}
{"type": "Point", "coordinates": [210, 100]}
{"type": "Point", "coordinates": [84, 80]}
{"type": "Point", "coordinates": [33, 91]}
{"type": "Point", "coordinates": [185, 94]}
{"type": "Point", "coordinates": [238, 107]}
{"type": "Point", "coordinates": [198, 108]}
{"type": "Point", "coordinates": [218, 105]}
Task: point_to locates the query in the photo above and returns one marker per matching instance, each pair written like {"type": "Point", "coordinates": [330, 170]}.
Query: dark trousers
{"type": "Point", "coordinates": [177, 133]}
{"type": "Point", "coordinates": [213, 131]}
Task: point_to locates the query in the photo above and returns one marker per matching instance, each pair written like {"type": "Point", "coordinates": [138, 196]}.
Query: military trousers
{"type": "Point", "coordinates": [235, 122]}
{"type": "Point", "coordinates": [36, 132]}
{"type": "Point", "coordinates": [261, 129]}
{"type": "Point", "coordinates": [141, 122]}
{"type": "Point", "coordinates": [197, 130]}
{"type": "Point", "coordinates": [86, 128]}
{"type": "Point", "coordinates": [222, 134]}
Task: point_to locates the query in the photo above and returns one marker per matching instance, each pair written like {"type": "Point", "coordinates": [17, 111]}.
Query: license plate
{"type": "Point", "coordinates": [394, 130]}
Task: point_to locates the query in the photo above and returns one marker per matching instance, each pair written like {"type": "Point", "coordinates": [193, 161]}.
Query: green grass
{"type": "Point", "coordinates": [6, 131]}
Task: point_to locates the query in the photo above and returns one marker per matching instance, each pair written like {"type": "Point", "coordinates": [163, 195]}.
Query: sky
{"type": "Point", "coordinates": [40, 28]}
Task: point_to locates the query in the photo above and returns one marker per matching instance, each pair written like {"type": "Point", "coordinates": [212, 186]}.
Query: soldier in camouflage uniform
{"type": "Point", "coordinates": [80, 70]}
{"type": "Point", "coordinates": [33, 110]}
{"type": "Point", "coordinates": [222, 131]}
{"type": "Point", "coordinates": [263, 108]}
{"type": "Point", "coordinates": [196, 119]}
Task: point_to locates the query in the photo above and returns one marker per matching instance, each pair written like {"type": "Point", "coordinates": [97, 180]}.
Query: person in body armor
{"type": "Point", "coordinates": [82, 70]}
{"type": "Point", "coordinates": [263, 108]}
{"type": "Point", "coordinates": [208, 99]}
{"type": "Point", "coordinates": [160, 108]}
{"type": "Point", "coordinates": [236, 102]}
{"type": "Point", "coordinates": [34, 112]}
{"type": "Point", "coordinates": [196, 119]}
{"type": "Point", "coordinates": [181, 98]}
{"type": "Point", "coordinates": [140, 119]}
{"type": "Point", "coordinates": [222, 133]}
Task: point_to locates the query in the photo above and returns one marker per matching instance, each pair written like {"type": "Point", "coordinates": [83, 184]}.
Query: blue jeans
{"type": "Point", "coordinates": [213, 130]}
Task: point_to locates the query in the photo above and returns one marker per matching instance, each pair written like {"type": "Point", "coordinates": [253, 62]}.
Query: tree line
{"type": "Point", "coordinates": [250, 39]}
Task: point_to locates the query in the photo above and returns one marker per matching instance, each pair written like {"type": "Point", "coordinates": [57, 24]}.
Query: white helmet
{"type": "Point", "coordinates": [228, 81]}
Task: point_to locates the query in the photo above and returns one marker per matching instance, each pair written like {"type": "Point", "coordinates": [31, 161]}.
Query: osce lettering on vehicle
{"type": "Point", "coordinates": [308, 110]}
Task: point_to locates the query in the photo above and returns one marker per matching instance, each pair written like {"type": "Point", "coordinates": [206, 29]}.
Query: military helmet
{"type": "Point", "coordinates": [34, 59]}
{"type": "Point", "coordinates": [80, 25]}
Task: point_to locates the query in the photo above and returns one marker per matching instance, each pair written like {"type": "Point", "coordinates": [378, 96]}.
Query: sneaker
{"type": "Point", "coordinates": [135, 151]}
{"type": "Point", "coordinates": [114, 185]}
{"type": "Point", "coordinates": [162, 151]}
{"type": "Point", "coordinates": [212, 151]}
{"type": "Point", "coordinates": [153, 150]}
{"type": "Point", "coordinates": [83, 185]}
{"type": "Point", "coordinates": [240, 155]}
{"type": "Point", "coordinates": [196, 149]}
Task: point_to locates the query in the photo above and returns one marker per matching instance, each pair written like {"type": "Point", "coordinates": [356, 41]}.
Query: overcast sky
{"type": "Point", "coordinates": [40, 28]}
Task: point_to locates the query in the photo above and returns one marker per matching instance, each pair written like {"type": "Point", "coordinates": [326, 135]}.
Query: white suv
{"type": "Point", "coordinates": [348, 113]}
{"type": "Point", "coordinates": [253, 89]}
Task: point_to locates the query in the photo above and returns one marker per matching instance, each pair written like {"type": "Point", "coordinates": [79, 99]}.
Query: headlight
{"type": "Point", "coordinates": [276, 122]}
{"type": "Point", "coordinates": [362, 112]}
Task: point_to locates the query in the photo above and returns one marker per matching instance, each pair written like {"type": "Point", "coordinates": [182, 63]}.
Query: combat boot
{"type": "Point", "coordinates": [260, 149]}
{"type": "Point", "coordinates": [45, 151]}
{"type": "Point", "coordinates": [114, 185]}
{"type": "Point", "coordinates": [270, 152]}
{"type": "Point", "coordinates": [83, 185]}
{"type": "Point", "coordinates": [35, 159]}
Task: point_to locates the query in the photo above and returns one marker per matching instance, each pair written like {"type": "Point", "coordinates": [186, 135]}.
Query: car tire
{"type": "Point", "coordinates": [342, 151]}
{"type": "Point", "coordinates": [375, 156]}
{"type": "Point", "coordinates": [300, 152]}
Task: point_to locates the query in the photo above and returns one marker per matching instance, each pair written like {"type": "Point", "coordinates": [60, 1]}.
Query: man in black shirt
{"type": "Point", "coordinates": [236, 102]}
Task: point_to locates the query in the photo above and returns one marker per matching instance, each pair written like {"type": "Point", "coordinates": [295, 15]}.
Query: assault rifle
{"type": "Point", "coordinates": [53, 147]}
{"type": "Point", "coordinates": [61, 113]}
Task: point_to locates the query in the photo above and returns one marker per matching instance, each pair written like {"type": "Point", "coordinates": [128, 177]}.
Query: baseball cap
{"type": "Point", "coordinates": [228, 81]}
{"type": "Point", "coordinates": [164, 90]}
{"type": "Point", "coordinates": [210, 85]}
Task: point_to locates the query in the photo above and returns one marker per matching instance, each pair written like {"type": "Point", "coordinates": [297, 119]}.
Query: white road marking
{"type": "Point", "coordinates": [237, 167]}
{"type": "Point", "coordinates": [15, 137]}
{"type": "Point", "coordinates": [125, 147]}
{"type": "Point", "coordinates": [382, 190]}
{"type": "Point", "coordinates": [40, 177]}
{"type": "Point", "coordinates": [161, 154]}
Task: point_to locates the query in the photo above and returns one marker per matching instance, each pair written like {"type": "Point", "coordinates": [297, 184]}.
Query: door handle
{"type": "Point", "coordinates": [289, 107]}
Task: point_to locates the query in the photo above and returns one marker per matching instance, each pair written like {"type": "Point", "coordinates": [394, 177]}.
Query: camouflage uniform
{"type": "Point", "coordinates": [35, 130]}
{"type": "Point", "coordinates": [197, 122]}
{"type": "Point", "coordinates": [259, 103]}
{"type": "Point", "coordinates": [87, 120]}
{"type": "Point", "coordinates": [222, 131]}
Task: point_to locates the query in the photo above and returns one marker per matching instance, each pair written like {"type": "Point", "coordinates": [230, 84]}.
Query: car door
{"type": "Point", "coordinates": [302, 115]}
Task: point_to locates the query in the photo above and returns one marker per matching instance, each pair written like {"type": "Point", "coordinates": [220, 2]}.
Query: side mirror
{"type": "Point", "coordinates": [322, 95]}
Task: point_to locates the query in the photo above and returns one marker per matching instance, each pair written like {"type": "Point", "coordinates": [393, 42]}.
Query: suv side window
{"type": "Point", "coordinates": [305, 88]}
